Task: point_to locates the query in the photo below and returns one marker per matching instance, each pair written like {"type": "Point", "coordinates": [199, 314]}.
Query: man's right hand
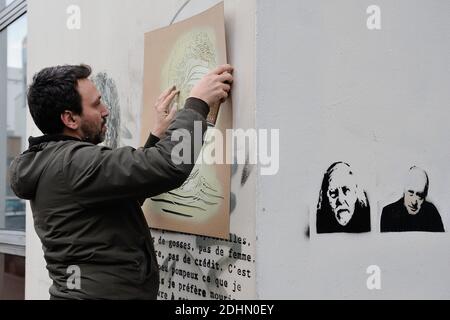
{"type": "Point", "coordinates": [214, 87]}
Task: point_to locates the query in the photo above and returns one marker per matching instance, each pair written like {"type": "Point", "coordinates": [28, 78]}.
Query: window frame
{"type": "Point", "coordinates": [12, 12]}
{"type": "Point", "coordinates": [11, 241]}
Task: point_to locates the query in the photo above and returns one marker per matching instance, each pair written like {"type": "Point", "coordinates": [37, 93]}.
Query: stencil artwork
{"type": "Point", "coordinates": [181, 55]}
{"type": "Point", "coordinates": [343, 205]}
{"type": "Point", "coordinates": [412, 212]}
{"type": "Point", "coordinates": [198, 198]}
{"type": "Point", "coordinates": [192, 57]}
{"type": "Point", "coordinates": [110, 97]}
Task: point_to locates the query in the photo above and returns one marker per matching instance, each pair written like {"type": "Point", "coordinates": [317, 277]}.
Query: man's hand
{"type": "Point", "coordinates": [165, 111]}
{"type": "Point", "coordinates": [214, 87]}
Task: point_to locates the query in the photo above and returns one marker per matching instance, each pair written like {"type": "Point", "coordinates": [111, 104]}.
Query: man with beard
{"type": "Point", "coordinates": [343, 206]}
{"type": "Point", "coordinates": [85, 198]}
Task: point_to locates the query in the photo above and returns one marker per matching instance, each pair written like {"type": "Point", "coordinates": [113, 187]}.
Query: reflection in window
{"type": "Point", "coordinates": [5, 3]}
{"type": "Point", "coordinates": [13, 56]}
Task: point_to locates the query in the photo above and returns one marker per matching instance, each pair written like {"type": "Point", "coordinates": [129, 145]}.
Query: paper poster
{"type": "Point", "coordinates": [181, 55]}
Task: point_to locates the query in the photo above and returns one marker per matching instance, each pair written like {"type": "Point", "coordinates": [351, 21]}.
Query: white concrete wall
{"type": "Point", "coordinates": [111, 40]}
{"type": "Point", "coordinates": [376, 99]}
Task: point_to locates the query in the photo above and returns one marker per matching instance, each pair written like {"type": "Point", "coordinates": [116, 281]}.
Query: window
{"type": "Point", "coordinates": [5, 3]}
{"type": "Point", "coordinates": [12, 277]}
{"type": "Point", "coordinates": [13, 46]}
{"type": "Point", "coordinates": [13, 114]}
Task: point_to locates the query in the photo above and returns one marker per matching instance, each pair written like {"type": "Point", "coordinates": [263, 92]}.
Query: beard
{"type": "Point", "coordinates": [92, 133]}
{"type": "Point", "coordinates": [343, 217]}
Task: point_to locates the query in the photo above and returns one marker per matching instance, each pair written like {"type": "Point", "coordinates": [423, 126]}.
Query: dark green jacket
{"type": "Point", "coordinates": [85, 203]}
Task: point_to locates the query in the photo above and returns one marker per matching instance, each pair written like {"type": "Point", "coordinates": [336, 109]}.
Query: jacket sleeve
{"type": "Point", "coordinates": [151, 141]}
{"type": "Point", "coordinates": [98, 174]}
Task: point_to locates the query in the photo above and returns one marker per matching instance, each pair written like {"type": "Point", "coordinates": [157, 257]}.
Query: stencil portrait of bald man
{"type": "Point", "coordinates": [412, 212]}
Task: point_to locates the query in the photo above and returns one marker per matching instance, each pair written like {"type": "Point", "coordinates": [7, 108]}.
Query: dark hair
{"type": "Point", "coordinates": [53, 91]}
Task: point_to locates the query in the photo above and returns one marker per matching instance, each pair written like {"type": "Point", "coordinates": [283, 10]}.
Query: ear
{"type": "Point", "coordinates": [70, 120]}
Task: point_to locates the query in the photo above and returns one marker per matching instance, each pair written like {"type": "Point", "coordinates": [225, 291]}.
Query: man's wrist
{"type": "Point", "coordinates": [158, 134]}
{"type": "Point", "coordinates": [198, 105]}
{"type": "Point", "coordinates": [151, 141]}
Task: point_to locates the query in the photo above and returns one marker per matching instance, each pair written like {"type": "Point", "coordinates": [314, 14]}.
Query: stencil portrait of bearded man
{"type": "Point", "coordinates": [343, 206]}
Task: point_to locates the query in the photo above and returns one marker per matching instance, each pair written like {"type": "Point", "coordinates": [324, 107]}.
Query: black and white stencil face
{"type": "Point", "coordinates": [342, 194]}
{"type": "Point", "coordinates": [412, 212]}
{"type": "Point", "coordinates": [415, 191]}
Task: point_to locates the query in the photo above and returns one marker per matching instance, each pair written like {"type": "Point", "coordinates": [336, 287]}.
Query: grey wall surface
{"type": "Point", "coordinates": [376, 99]}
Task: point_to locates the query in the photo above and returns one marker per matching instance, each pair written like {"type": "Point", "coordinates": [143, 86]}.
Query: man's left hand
{"type": "Point", "coordinates": [165, 111]}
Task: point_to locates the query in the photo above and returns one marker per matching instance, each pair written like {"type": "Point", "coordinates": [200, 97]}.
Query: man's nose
{"type": "Point", "coordinates": [105, 112]}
